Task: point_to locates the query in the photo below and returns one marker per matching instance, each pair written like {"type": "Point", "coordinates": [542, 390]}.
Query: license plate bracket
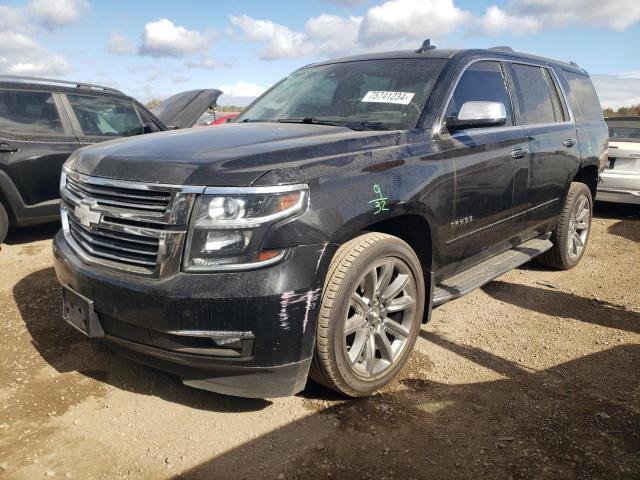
{"type": "Point", "coordinates": [78, 311]}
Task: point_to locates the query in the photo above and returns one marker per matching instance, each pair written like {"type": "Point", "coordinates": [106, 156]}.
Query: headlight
{"type": "Point", "coordinates": [229, 224]}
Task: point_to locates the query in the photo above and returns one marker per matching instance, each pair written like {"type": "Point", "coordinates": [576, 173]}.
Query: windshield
{"type": "Point", "coordinates": [624, 131]}
{"type": "Point", "coordinates": [363, 95]}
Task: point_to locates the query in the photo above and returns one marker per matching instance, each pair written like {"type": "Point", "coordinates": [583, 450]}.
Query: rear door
{"type": "Point", "coordinates": [553, 143]}
{"type": "Point", "coordinates": [490, 183]}
{"type": "Point", "coordinates": [35, 140]}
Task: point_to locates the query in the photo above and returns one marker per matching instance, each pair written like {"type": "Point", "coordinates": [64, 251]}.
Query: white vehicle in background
{"type": "Point", "coordinates": [621, 179]}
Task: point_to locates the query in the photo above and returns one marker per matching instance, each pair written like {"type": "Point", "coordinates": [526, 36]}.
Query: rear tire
{"type": "Point", "coordinates": [572, 233]}
{"type": "Point", "coordinates": [4, 223]}
{"type": "Point", "coordinates": [370, 316]}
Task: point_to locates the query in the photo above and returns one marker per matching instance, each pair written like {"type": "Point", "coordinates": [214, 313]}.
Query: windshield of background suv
{"type": "Point", "coordinates": [363, 95]}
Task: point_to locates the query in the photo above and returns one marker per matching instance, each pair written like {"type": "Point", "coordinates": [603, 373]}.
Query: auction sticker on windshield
{"type": "Point", "coordinates": [379, 96]}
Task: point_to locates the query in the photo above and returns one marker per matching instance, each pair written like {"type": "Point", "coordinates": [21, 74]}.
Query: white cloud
{"type": "Point", "coordinates": [411, 20]}
{"type": "Point", "coordinates": [53, 14]}
{"type": "Point", "coordinates": [496, 21]}
{"type": "Point", "coordinates": [527, 16]}
{"type": "Point", "coordinates": [405, 23]}
{"type": "Point", "coordinates": [619, 90]}
{"type": "Point", "coordinates": [242, 89]}
{"type": "Point", "coordinates": [280, 41]}
{"type": "Point", "coordinates": [393, 24]}
{"type": "Point", "coordinates": [20, 54]}
{"type": "Point", "coordinates": [119, 45]}
{"type": "Point", "coordinates": [163, 38]}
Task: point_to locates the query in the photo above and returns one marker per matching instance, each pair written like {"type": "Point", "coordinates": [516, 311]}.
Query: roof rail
{"type": "Point", "coordinates": [502, 48]}
{"type": "Point", "coordinates": [21, 78]}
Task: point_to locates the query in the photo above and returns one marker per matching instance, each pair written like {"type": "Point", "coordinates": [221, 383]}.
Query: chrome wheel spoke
{"type": "Point", "coordinates": [355, 323]}
{"type": "Point", "coordinates": [385, 277]}
{"type": "Point", "coordinates": [577, 240]}
{"type": "Point", "coordinates": [360, 304]}
{"type": "Point", "coordinates": [395, 329]}
{"type": "Point", "coordinates": [395, 287]}
{"type": "Point", "coordinates": [370, 354]}
{"type": "Point", "coordinates": [370, 283]}
{"type": "Point", "coordinates": [358, 346]}
{"type": "Point", "coordinates": [399, 304]}
{"type": "Point", "coordinates": [582, 225]}
{"type": "Point", "coordinates": [582, 214]}
{"type": "Point", "coordinates": [384, 346]}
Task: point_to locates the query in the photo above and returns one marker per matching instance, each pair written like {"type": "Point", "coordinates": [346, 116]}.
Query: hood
{"type": "Point", "coordinates": [235, 154]}
{"type": "Point", "coordinates": [183, 109]}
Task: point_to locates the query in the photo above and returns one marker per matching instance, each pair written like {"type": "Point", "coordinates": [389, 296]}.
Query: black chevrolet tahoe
{"type": "Point", "coordinates": [314, 235]}
{"type": "Point", "coordinates": [43, 121]}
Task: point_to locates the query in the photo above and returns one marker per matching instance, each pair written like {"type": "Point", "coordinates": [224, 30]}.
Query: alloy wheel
{"type": "Point", "coordinates": [579, 227]}
{"type": "Point", "coordinates": [380, 317]}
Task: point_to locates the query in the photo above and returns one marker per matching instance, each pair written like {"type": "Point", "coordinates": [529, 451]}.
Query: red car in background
{"type": "Point", "coordinates": [215, 118]}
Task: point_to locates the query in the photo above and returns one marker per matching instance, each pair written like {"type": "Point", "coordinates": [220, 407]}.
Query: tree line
{"type": "Point", "coordinates": [632, 111]}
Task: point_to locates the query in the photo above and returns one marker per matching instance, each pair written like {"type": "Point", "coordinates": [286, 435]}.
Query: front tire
{"type": "Point", "coordinates": [4, 223]}
{"type": "Point", "coordinates": [572, 233]}
{"type": "Point", "coordinates": [371, 312]}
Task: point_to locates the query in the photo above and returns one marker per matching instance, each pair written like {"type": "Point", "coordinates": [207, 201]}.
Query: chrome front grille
{"type": "Point", "coordinates": [130, 227]}
{"type": "Point", "coordinates": [118, 197]}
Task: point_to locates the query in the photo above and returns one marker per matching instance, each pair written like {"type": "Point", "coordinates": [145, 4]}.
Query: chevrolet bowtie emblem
{"type": "Point", "coordinates": [86, 215]}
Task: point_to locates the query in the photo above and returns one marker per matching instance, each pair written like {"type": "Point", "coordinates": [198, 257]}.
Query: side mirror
{"type": "Point", "coordinates": [146, 128]}
{"type": "Point", "coordinates": [478, 115]}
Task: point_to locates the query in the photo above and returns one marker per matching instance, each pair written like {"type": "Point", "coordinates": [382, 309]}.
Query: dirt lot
{"type": "Point", "coordinates": [537, 375]}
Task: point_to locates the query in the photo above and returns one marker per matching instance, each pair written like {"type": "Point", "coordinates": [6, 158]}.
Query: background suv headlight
{"type": "Point", "coordinates": [228, 226]}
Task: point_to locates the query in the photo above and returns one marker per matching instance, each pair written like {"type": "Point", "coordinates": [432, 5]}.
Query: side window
{"type": "Point", "coordinates": [583, 97]}
{"type": "Point", "coordinates": [29, 113]}
{"type": "Point", "coordinates": [105, 117]}
{"type": "Point", "coordinates": [559, 106]}
{"type": "Point", "coordinates": [534, 94]}
{"type": "Point", "coordinates": [481, 82]}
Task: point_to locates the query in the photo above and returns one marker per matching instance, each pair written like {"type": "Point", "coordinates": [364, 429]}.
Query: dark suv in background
{"type": "Point", "coordinates": [42, 121]}
{"type": "Point", "coordinates": [315, 233]}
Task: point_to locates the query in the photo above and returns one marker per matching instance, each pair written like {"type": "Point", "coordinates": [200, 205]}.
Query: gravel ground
{"type": "Point", "coordinates": [535, 375]}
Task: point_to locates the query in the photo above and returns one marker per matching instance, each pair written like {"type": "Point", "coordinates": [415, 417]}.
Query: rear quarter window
{"type": "Point", "coordinates": [582, 96]}
{"type": "Point", "coordinates": [29, 113]}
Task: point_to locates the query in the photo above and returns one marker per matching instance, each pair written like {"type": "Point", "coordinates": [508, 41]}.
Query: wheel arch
{"type": "Point", "coordinates": [589, 176]}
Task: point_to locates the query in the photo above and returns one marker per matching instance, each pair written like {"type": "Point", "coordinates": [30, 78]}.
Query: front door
{"type": "Point", "coordinates": [492, 169]}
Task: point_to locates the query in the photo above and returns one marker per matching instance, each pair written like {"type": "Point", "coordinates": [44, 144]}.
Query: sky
{"type": "Point", "coordinates": [155, 49]}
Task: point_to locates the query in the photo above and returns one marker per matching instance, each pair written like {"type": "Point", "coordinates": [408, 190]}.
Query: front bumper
{"type": "Point", "coordinates": [175, 324]}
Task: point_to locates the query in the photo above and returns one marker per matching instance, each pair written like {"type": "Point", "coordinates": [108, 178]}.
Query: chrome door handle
{"type": "Point", "coordinates": [520, 153]}
{"type": "Point", "coordinates": [569, 142]}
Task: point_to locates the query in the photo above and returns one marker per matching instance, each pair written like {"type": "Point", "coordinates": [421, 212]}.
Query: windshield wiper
{"type": "Point", "coordinates": [255, 120]}
{"type": "Point", "coordinates": [310, 120]}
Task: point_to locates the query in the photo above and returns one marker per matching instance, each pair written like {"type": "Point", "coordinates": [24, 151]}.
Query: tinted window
{"type": "Point", "coordinates": [534, 94]}
{"type": "Point", "coordinates": [371, 94]}
{"type": "Point", "coordinates": [29, 113]}
{"type": "Point", "coordinates": [583, 97]}
{"type": "Point", "coordinates": [481, 82]}
{"type": "Point", "coordinates": [623, 130]}
{"type": "Point", "coordinates": [105, 117]}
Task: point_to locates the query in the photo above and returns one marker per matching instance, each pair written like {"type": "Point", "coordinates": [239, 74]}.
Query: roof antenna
{"type": "Point", "coordinates": [426, 46]}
